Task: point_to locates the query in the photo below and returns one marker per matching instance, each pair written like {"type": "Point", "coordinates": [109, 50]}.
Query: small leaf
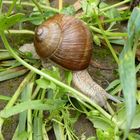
{"type": "Point", "coordinates": [6, 22]}
{"type": "Point", "coordinates": [112, 13]}
{"type": "Point", "coordinates": [68, 10]}
{"type": "Point", "coordinates": [101, 122]}
{"type": "Point", "coordinates": [54, 72]}
{"type": "Point", "coordinates": [96, 40]}
{"type": "Point", "coordinates": [68, 77]}
{"type": "Point", "coordinates": [5, 98]}
{"type": "Point", "coordinates": [88, 7]}
{"type": "Point", "coordinates": [105, 135]}
{"type": "Point", "coordinates": [122, 119]}
{"type": "Point", "coordinates": [43, 83]}
{"type": "Point", "coordinates": [133, 136]}
{"type": "Point", "coordinates": [36, 18]}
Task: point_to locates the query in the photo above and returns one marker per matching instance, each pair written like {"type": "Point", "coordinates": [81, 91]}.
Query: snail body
{"type": "Point", "coordinates": [64, 40]}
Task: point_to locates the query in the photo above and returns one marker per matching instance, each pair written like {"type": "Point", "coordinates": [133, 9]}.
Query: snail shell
{"type": "Point", "coordinates": [66, 41]}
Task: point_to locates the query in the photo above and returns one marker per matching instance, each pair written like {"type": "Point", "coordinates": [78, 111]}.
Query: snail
{"type": "Point", "coordinates": [68, 42]}
{"type": "Point", "coordinates": [64, 40]}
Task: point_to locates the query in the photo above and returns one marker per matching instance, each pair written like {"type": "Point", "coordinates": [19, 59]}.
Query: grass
{"type": "Point", "coordinates": [42, 90]}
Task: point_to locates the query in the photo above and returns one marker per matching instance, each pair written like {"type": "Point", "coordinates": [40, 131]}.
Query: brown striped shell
{"type": "Point", "coordinates": [66, 41]}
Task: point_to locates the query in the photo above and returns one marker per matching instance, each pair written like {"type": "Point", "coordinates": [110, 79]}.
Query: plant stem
{"type": "Point", "coordinates": [35, 92]}
{"type": "Point", "coordinates": [1, 122]}
{"type": "Point", "coordinates": [29, 112]}
{"type": "Point", "coordinates": [11, 7]}
{"type": "Point", "coordinates": [114, 20]}
{"type": "Point", "coordinates": [19, 32]}
{"type": "Point", "coordinates": [29, 124]}
{"type": "Point", "coordinates": [75, 93]}
{"type": "Point", "coordinates": [60, 5]}
{"type": "Point", "coordinates": [45, 135]}
{"type": "Point", "coordinates": [115, 5]}
{"type": "Point", "coordinates": [0, 6]}
{"type": "Point", "coordinates": [38, 6]}
{"type": "Point", "coordinates": [32, 5]}
{"type": "Point", "coordinates": [107, 41]}
{"type": "Point", "coordinates": [107, 33]}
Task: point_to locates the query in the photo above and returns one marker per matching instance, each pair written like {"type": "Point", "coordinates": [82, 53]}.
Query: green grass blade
{"type": "Point", "coordinates": [5, 98]}
{"type": "Point", "coordinates": [29, 112]}
{"type": "Point", "coordinates": [37, 128]}
{"type": "Point", "coordinates": [12, 73]}
{"type": "Point", "coordinates": [4, 55]}
{"type": "Point", "coordinates": [113, 84]}
{"type": "Point", "coordinates": [48, 104]}
{"type": "Point", "coordinates": [128, 82]}
{"type": "Point", "coordinates": [59, 131]}
{"type": "Point", "coordinates": [127, 68]}
{"type": "Point", "coordinates": [44, 133]}
{"type": "Point", "coordinates": [23, 115]}
{"type": "Point", "coordinates": [8, 63]}
{"type": "Point", "coordinates": [11, 7]}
